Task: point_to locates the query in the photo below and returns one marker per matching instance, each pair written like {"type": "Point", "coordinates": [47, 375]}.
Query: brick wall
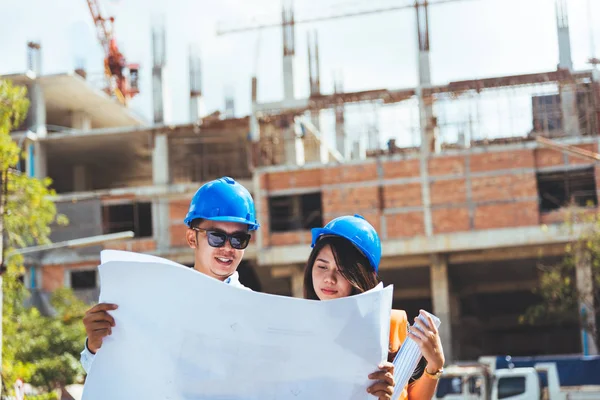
{"type": "Point", "coordinates": [469, 191]}
{"type": "Point", "coordinates": [53, 277]}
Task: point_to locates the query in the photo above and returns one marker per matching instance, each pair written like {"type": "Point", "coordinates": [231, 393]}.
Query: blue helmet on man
{"type": "Point", "coordinates": [225, 200]}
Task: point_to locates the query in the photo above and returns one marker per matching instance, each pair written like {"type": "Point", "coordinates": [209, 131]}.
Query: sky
{"type": "Point", "coordinates": [469, 39]}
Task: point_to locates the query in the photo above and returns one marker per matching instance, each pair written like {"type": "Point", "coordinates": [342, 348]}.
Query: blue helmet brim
{"type": "Point", "coordinates": [252, 226]}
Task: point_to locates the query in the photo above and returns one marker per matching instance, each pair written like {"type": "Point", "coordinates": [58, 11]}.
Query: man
{"type": "Point", "coordinates": [219, 219]}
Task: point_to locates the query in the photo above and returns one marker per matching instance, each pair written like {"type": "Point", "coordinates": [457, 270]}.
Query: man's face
{"type": "Point", "coordinates": [217, 262]}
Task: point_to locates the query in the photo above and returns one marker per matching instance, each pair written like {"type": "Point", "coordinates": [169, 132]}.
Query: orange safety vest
{"type": "Point", "coordinates": [398, 333]}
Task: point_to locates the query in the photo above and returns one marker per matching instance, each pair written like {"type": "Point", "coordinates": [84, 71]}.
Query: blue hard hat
{"type": "Point", "coordinates": [358, 231]}
{"type": "Point", "coordinates": [223, 200]}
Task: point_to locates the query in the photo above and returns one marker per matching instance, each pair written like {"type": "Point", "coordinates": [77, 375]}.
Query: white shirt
{"type": "Point", "coordinates": [87, 357]}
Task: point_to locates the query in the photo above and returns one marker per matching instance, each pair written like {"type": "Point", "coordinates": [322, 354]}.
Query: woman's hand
{"type": "Point", "coordinates": [384, 387]}
{"type": "Point", "coordinates": [428, 339]}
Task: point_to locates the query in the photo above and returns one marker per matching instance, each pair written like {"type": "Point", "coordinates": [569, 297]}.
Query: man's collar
{"type": "Point", "coordinates": [233, 279]}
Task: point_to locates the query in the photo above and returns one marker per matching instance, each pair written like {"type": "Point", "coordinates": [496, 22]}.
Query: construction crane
{"type": "Point", "coordinates": [257, 24]}
{"type": "Point", "coordinates": [122, 77]}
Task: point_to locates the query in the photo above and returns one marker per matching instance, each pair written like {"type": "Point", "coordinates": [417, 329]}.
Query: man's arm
{"type": "Point", "coordinates": [98, 324]}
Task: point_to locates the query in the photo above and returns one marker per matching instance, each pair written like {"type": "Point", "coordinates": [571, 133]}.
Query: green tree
{"type": "Point", "coordinates": [557, 287]}
{"type": "Point", "coordinates": [40, 349]}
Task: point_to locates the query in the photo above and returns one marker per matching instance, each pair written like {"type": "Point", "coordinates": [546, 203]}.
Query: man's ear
{"type": "Point", "coordinates": [190, 237]}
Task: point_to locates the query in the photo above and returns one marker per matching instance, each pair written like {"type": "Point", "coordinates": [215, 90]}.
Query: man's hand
{"type": "Point", "coordinates": [384, 387]}
{"type": "Point", "coordinates": [98, 324]}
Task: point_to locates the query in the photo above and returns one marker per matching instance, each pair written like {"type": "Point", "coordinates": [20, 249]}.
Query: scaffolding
{"type": "Point", "coordinates": [467, 113]}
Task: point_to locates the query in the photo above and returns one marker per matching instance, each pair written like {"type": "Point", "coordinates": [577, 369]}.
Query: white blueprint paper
{"type": "Point", "coordinates": [182, 335]}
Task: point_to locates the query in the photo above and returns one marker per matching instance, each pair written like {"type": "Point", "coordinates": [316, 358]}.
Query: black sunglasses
{"type": "Point", "coordinates": [238, 240]}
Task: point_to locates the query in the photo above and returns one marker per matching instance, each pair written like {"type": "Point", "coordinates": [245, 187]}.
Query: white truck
{"type": "Point", "coordinates": [483, 381]}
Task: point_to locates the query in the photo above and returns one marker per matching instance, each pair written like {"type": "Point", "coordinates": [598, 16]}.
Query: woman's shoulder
{"type": "Point", "coordinates": [399, 317]}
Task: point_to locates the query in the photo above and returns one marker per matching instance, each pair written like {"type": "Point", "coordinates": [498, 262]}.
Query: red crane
{"type": "Point", "coordinates": [122, 77]}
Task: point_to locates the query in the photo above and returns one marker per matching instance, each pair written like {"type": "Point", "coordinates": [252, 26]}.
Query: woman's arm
{"type": "Point", "coordinates": [428, 339]}
{"type": "Point", "coordinates": [423, 388]}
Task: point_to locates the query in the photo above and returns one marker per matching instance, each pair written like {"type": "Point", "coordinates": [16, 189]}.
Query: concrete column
{"type": "Point", "coordinates": [80, 178]}
{"type": "Point", "coordinates": [440, 293]}
{"type": "Point", "coordinates": [429, 140]}
{"type": "Point", "coordinates": [289, 51]}
{"type": "Point", "coordinates": [340, 131]}
{"type": "Point", "coordinates": [288, 77]}
{"type": "Point", "coordinates": [585, 289]}
{"type": "Point", "coordinates": [426, 192]}
{"type": "Point", "coordinates": [568, 93]}
{"type": "Point", "coordinates": [197, 107]}
{"type": "Point", "coordinates": [570, 113]}
{"type": "Point", "coordinates": [564, 35]}
{"type": "Point", "coordinates": [160, 206]}
{"type": "Point", "coordinates": [293, 146]}
{"type": "Point", "coordinates": [314, 150]}
{"type": "Point", "coordinates": [254, 125]}
{"type": "Point", "coordinates": [256, 195]}
{"type": "Point", "coordinates": [160, 101]}
{"type": "Point", "coordinates": [40, 163]}
{"type": "Point", "coordinates": [37, 109]}
{"type": "Point", "coordinates": [81, 120]}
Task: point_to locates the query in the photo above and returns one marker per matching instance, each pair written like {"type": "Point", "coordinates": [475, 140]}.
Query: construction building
{"type": "Point", "coordinates": [465, 216]}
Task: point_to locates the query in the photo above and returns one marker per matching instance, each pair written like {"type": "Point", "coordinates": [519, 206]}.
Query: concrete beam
{"type": "Point", "coordinates": [521, 253]}
{"type": "Point", "coordinates": [171, 190]}
{"type": "Point", "coordinates": [447, 243]}
{"type": "Point", "coordinates": [487, 287]}
{"type": "Point", "coordinates": [480, 240]}
{"type": "Point", "coordinates": [397, 95]}
{"type": "Point", "coordinates": [498, 287]}
{"type": "Point", "coordinates": [413, 293]}
{"type": "Point", "coordinates": [399, 262]}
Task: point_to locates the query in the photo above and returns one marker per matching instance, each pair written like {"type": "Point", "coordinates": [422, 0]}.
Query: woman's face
{"type": "Point", "coordinates": [328, 282]}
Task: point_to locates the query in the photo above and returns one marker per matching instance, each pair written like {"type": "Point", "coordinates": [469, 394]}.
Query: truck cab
{"type": "Point", "coordinates": [459, 382]}
{"type": "Point", "coordinates": [540, 380]}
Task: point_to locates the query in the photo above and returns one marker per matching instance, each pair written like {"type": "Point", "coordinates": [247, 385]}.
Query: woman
{"type": "Point", "coordinates": [344, 262]}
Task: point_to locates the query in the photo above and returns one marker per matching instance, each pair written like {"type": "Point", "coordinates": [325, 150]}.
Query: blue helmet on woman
{"type": "Point", "coordinates": [223, 200]}
{"type": "Point", "coordinates": [358, 231]}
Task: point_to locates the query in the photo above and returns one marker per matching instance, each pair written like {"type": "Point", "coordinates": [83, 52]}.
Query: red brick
{"type": "Point", "coordinates": [503, 187]}
{"type": "Point", "coordinates": [178, 209]}
{"type": "Point", "coordinates": [449, 165]}
{"type": "Point", "coordinates": [494, 161]}
{"type": "Point", "coordinates": [263, 180]}
{"type": "Point", "coordinates": [405, 225]}
{"type": "Point", "coordinates": [548, 158]}
{"type": "Point", "coordinates": [448, 192]}
{"type": "Point", "coordinates": [120, 245]}
{"type": "Point", "coordinates": [350, 173]}
{"type": "Point", "coordinates": [401, 169]}
{"type": "Point", "coordinates": [406, 195]}
{"type": "Point", "coordinates": [579, 160]}
{"type": "Point", "coordinates": [524, 213]}
{"type": "Point", "coordinates": [53, 277]}
{"type": "Point", "coordinates": [178, 235]}
{"type": "Point", "coordinates": [350, 200]}
{"type": "Point", "coordinates": [143, 245]}
{"type": "Point", "coordinates": [290, 238]}
{"type": "Point", "coordinates": [450, 220]}
{"type": "Point", "coordinates": [294, 179]}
